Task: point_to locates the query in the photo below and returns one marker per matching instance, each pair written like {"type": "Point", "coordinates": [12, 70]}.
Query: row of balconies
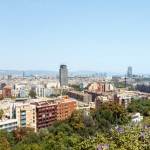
{"type": "Point", "coordinates": [50, 109]}
{"type": "Point", "coordinates": [46, 121]}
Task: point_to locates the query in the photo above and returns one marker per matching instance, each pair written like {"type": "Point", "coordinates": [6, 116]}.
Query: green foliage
{"type": "Point", "coordinates": [76, 87]}
{"type": "Point", "coordinates": [110, 113]}
{"type": "Point", "coordinates": [31, 146]}
{"type": "Point", "coordinates": [20, 133]}
{"type": "Point", "coordinates": [32, 94]}
{"type": "Point", "coordinates": [1, 113]}
{"type": "Point", "coordinates": [82, 123]}
{"type": "Point", "coordinates": [142, 106]}
{"type": "Point", "coordinates": [10, 138]}
{"type": "Point", "coordinates": [76, 121]}
{"type": "Point", "coordinates": [54, 95]}
{"type": "Point", "coordinates": [131, 88]}
{"type": "Point", "coordinates": [146, 121]}
{"type": "Point", "coordinates": [4, 144]}
{"type": "Point", "coordinates": [130, 139]}
{"type": "Point", "coordinates": [65, 92]}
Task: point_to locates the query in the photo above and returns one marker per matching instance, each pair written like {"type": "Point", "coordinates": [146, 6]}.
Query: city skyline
{"type": "Point", "coordinates": [95, 36]}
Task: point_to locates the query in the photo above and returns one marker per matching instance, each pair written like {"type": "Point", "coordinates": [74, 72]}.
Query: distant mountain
{"type": "Point", "coordinates": [28, 72]}
{"type": "Point", "coordinates": [54, 73]}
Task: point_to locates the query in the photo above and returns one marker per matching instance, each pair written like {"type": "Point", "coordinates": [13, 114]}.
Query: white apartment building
{"type": "Point", "coordinates": [9, 124]}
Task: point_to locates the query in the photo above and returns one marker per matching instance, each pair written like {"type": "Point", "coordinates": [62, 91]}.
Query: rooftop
{"type": "Point", "coordinates": [7, 121]}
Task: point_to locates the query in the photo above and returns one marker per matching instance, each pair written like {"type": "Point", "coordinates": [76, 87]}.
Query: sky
{"type": "Point", "coordinates": [94, 35]}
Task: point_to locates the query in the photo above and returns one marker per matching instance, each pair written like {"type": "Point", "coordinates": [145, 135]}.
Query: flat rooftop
{"type": "Point", "coordinates": [7, 121]}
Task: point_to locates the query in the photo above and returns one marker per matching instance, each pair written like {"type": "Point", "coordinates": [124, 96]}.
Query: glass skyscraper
{"type": "Point", "coordinates": [63, 75]}
{"type": "Point", "coordinates": [129, 72]}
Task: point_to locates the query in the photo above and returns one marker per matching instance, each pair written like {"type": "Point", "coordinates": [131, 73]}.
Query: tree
{"type": "Point", "coordinates": [8, 136]}
{"type": "Point", "coordinates": [4, 144]}
{"type": "Point", "coordinates": [31, 146]}
{"type": "Point", "coordinates": [112, 113]}
{"type": "Point", "coordinates": [65, 92]}
{"type": "Point", "coordinates": [132, 138]}
{"type": "Point", "coordinates": [76, 87]}
{"type": "Point", "coordinates": [142, 106]}
{"type": "Point", "coordinates": [21, 132]}
{"type": "Point", "coordinates": [1, 113]}
{"type": "Point", "coordinates": [146, 121]}
{"type": "Point", "coordinates": [32, 94]}
{"type": "Point", "coordinates": [76, 120]}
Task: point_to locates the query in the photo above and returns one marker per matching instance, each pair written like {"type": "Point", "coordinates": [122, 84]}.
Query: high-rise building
{"type": "Point", "coordinates": [63, 75]}
{"type": "Point", "coordinates": [129, 71]}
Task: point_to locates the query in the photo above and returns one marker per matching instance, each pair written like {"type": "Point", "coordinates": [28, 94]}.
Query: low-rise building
{"type": "Point", "coordinates": [122, 100]}
{"type": "Point", "coordinates": [100, 100]}
{"type": "Point", "coordinates": [83, 97]}
{"type": "Point", "coordinates": [9, 124]}
{"type": "Point", "coordinates": [100, 87]}
{"type": "Point", "coordinates": [136, 117]}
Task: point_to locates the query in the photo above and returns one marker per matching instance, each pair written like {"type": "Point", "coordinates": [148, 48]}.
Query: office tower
{"type": "Point", "coordinates": [63, 75]}
{"type": "Point", "coordinates": [9, 77]}
{"type": "Point", "coordinates": [129, 72]}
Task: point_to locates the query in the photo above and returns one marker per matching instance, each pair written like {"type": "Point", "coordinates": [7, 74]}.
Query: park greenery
{"type": "Point", "coordinates": [142, 106]}
{"type": "Point", "coordinates": [76, 87]}
{"type": "Point", "coordinates": [32, 94]}
{"type": "Point", "coordinates": [107, 127]}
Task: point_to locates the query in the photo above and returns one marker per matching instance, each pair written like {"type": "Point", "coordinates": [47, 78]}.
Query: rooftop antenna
{"type": "Point", "coordinates": [125, 81]}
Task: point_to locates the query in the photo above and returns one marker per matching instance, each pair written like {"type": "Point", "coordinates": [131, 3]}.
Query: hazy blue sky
{"type": "Point", "coordinates": [97, 35]}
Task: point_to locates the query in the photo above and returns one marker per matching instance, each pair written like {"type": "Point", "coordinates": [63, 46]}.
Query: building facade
{"type": "Point", "coordinates": [26, 115]}
{"type": "Point", "coordinates": [122, 100]}
{"type": "Point", "coordinates": [46, 114]}
{"type": "Point", "coordinates": [40, 91]}
{"type": "Point", "coordinates": [65, 109]}
{"type": "Point", "coordinates": [83, 97]}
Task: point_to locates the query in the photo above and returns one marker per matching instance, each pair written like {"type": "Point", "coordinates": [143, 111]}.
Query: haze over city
{"type": "Point", "coordinates": [85, 35]}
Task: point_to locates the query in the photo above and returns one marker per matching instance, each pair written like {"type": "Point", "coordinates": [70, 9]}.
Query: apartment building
{"type": "Point", "coordinates": [40, 91]}
{"type": "Point", "coordinates": [65, 109]}
{"type": "Point", "coordinates": [46, 113]}
{"type": "Point", "coordinates": [122, 100]}
{"type": "Point", "coordinates": [49, 111]}
{"type": "Point", "coordinates": [9, 124]}
{"type": "Point", "coordinates": [100, 87]}
{"type": "Point", "coordinates": [26, 115]}
{"type": "Point", "coordinates": [84, 97]}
